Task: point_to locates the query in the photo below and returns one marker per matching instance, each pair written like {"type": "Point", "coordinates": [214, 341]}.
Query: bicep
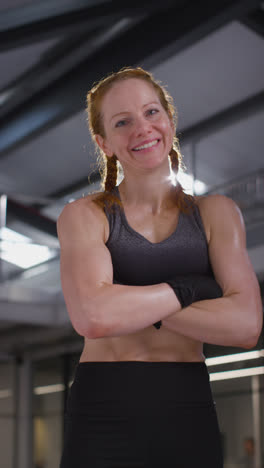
{"type": "Point", "coordinates": [85, 264]}
{"type": "Point", "coordinates": [227, 249]}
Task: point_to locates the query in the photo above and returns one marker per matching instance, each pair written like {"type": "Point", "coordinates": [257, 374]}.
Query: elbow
{"type": "Point", "coordinates": [251, 316]}
{"type": "Point", "coordinates": [250, 343]}
{"type": "Point", "coordinates": [256, 337]}
{"type": "Point", "coordinates": [83, 328]}
{"type": "Point", "coordinates": [84, 323]}
{"type": "Point", "coordinates": [86, 312]}
{"type": "Point", "coordinates": [251, 338]}
{"type": "Point", "coordinates": [99, 323]}
{"type": "Point", "coordinates": [92, 326]}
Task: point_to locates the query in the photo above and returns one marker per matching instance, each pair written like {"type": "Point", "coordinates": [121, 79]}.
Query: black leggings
{"type": "Point", "coordinates": [135, 414]}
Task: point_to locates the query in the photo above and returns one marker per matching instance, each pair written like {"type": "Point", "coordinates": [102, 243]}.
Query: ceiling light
{"type": "Point", "coordinates": [235, 374]}
{"type": "Point", "coordinates": [7, 234]}
{"type": "Point", "coordinates": [20, 251]}
{"type": "Point", "coordinates": [41, 390]}
{"type": "Point", "coordinates": [5, 393]}
{"type": "Point", "coordinates": [49, 389]}
{"type": "Point", "coordinates": [234, 357]}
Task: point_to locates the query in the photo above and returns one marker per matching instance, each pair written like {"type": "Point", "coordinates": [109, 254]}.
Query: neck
{"type": "Point", "coordinates": [153, 193]}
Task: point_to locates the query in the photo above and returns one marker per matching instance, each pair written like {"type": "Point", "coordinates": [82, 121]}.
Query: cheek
{"type": "Point", "coordinates": [164, 123]}
{"type": "Point", "coordinates": [120, 143]}
{"type": "Point", "coordinates": [166, 128]}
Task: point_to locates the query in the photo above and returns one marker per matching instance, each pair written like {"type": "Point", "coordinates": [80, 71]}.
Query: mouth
{"type": "Point", "coordinates": [146, 146]}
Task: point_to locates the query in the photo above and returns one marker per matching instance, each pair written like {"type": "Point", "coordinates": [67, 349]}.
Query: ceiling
{"type": "Point", "coordinates": [211, 59]}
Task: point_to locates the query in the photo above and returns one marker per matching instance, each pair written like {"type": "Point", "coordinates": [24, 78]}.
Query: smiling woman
{"type": "Point", "coordinates": [145, 253]}
{"type": "Point", "coordinates": [155, 105]}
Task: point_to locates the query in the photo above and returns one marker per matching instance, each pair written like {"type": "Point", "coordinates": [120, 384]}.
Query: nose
{"type": "Point", "coordinates": [142, 126]}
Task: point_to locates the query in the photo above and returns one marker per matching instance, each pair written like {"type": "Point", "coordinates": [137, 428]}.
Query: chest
{"type": "Point", "coordinates": [147, 249]}
{"type": "Point", "coordinates": [153, 227]}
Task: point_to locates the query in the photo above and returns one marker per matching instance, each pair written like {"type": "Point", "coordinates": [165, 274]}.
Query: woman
{"type": "Point", "coordinates": [145, 253]}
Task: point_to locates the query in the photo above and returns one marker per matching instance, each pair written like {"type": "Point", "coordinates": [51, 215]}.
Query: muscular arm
{"type": "Point", "coordinates": [236, 318]}
{"type": "Point", "coordinates": [97, 307]}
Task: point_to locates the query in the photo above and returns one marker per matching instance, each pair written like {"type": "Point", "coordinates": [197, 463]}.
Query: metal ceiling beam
{"type": "Point", "coordinates": [255, 21]}
{"type": "Point", "coordinates": [68, 53]}
{"type": "Point", "coordinates": [203, 20]}
{"type": "Point", "coordinates": [44, 20]}
{"type": "Point", "coordinates": [32, 217]}
{"type": "Point", "coordinates": [225, 118]}
{"type": "Point", "coordinates": [76, 186]}
{"type": "Point", "coordinates": [56, 63]}
{"type": "Point", "coordinates": [161, 39]}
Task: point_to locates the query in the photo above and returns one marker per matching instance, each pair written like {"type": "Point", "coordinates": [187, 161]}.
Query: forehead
{"type": "Point", "coordinates": [126, 95]}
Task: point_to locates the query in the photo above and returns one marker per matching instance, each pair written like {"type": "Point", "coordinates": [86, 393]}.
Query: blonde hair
{"type": "Point", "coordinates": [108, 166]}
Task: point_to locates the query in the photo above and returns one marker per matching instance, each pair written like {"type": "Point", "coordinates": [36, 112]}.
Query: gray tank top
{"type": "Point", "coordinates": [139, 262]}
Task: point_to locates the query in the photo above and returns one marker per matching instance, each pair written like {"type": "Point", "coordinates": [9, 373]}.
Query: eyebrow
{"type": "Point", "coordinates": [127, 112]}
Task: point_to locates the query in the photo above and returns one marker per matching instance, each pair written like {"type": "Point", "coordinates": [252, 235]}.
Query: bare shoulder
{"type": "Point", "coordinates": [80, 208]}
{"type": "Point", "coordinates": [215, 200]}
{"type": "Point", "coordinates": [219, 211]}
{"type": "Point", "coordinates": [80, 215]}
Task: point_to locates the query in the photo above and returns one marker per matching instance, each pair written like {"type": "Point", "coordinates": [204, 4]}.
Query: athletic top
{"type": "Point", "coordinates": [139, 262]}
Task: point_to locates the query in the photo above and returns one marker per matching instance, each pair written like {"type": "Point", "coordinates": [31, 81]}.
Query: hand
{"type": "Point", "coordinates": [193, 288]}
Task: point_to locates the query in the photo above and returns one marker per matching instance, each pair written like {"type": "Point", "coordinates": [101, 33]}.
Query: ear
{"type": "Point", "coordinates": [102, 143]}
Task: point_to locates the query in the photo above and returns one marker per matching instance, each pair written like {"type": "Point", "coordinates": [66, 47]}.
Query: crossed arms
{"type": "Point", "coordinates": [99, 308]}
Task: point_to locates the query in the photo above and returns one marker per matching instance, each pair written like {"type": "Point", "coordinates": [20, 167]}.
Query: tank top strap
{"type": "Point", "coordinates": [198, 219]}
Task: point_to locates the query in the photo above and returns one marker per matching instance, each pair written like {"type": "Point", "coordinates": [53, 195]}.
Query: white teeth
{"type": "Point", "coordinates": [147, 145]}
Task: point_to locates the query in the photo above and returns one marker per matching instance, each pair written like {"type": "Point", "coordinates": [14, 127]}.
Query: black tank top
{"type": "Point", "coordinates": [139, 262]}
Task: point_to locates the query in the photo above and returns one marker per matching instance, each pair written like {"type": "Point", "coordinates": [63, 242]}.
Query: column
{"type": "Point", "coordinates": [24, 414]}
{"type": "Point", "coordinates": [256, 402]}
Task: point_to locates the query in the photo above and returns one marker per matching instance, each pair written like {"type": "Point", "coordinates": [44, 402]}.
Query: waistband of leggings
{"type": "Point", "coordinates": [142, 380]}
{"type": "Point", "coordinates": [105, 365]}
{"type": "Point", "coordinates": [140, 366]}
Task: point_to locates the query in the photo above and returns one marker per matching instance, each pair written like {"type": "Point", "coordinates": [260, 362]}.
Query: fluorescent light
{"type": "Point", "coordinates": [9, 235]}
{"type": "Point", "coordinates": [5, 393]}
{"type": "Point", "coordinates": [235, 374]}
{"type": "Point", "coordinates": [25, 256]}
{"type": "Point", "coordinates": [18, 249]}
{"type": "Point", "coordinates": [49, 389]}
{"type": "Point", "coordinates": [234, 357]}
{"type": "Point", "coordinates": [42, 390]}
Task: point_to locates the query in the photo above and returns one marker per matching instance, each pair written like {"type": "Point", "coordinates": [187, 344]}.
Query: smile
{"type": "Point", "coordinates": [147, 145]}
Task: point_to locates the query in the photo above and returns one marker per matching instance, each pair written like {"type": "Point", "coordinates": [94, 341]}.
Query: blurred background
{"type": "Point", "coordinates": [211, 57]}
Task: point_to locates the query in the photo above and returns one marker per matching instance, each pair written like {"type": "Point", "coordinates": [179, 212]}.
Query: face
{"type": "Point", "coordinates": [137, 128]}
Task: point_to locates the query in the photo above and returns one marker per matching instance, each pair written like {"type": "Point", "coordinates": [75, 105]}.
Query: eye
{"type": "Point", "coordinates": [121, 123]}
{"type": "Point", "coordinates": [152, 111]}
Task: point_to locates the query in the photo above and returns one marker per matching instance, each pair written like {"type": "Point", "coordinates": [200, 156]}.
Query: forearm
{"type": "Point", "coordinates": [226, 321]}
{"type": "Point", "coordinates": [119, 309]}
